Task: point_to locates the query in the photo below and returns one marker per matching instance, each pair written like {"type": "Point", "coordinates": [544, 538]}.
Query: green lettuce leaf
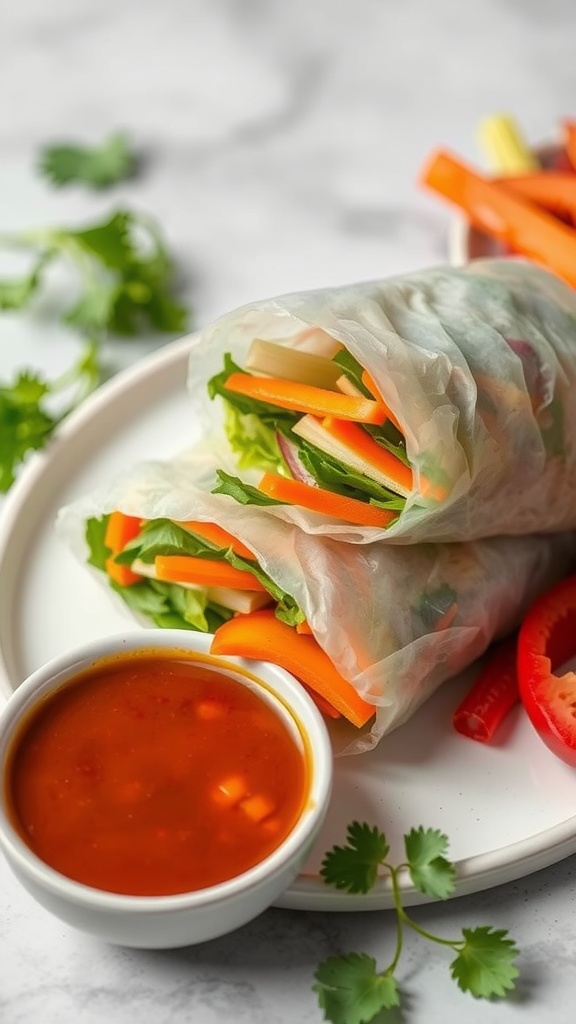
{"type": "Point", "coordinates": [253, 442]}
{"type": "Point", "coordinates": [353, 370]}
{"type": "Point", "coordinates": [244, 494]}
{"type": "Point", "coordinates": [94, 533]}
{"type": "Point", "coordinates": [334, 476]}
{"type": "Point", "coordinates": [271, 415]}
{"type": "Point", "coordinates": [163, 537]}
{"type": "Point", "coordinates": [172, 607]}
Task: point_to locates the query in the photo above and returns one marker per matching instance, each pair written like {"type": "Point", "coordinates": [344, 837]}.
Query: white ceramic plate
{"type": "Point", "coordinates": [508, 809]}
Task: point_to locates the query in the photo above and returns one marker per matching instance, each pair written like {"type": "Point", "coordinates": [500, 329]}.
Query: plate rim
{"type": "Point", "coordinates": [473, 873]}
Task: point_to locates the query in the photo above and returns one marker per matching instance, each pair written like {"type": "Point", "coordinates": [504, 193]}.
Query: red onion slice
{"type": "Point", "coordinates": [290, 455]}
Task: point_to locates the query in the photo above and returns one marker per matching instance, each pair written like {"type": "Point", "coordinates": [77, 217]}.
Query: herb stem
{"type": "Point", "coordinates": [455, 944]}
{"type": "Point", "coordinates": [399, 919]}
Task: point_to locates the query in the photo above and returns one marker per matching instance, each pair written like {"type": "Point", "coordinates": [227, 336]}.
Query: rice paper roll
{"type": "Point", "coordinates": [477, 368]}
{"type": "Point", "coordinates": [395, 621]}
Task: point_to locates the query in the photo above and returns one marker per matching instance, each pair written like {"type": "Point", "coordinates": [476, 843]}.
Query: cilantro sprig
{"type": "Point", "coordinates": [124, 286]}
{"type": "Point", "coordinates": [350, 988]}
{"type": "Point", "coordinates": [97, 167]}
{"type": "Point", "coordinates": [26, 419]}
{"type": "Point", "coordinates": [123, 269]}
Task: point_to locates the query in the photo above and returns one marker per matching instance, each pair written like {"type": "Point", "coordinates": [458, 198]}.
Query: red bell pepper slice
{"type": "Point", "coordinates": [492, 696]}
{"type": "Point", "coordinates": [546, 641]}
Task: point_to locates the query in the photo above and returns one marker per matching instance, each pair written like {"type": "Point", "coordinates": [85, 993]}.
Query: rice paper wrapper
{"type": "Point", "coordinates": [478, 364]}
{"type": "Point", "coordinates": [396, 621]}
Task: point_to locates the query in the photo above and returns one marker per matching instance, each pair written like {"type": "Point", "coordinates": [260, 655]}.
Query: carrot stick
{"type": "Point", "coordinates": [303, 627]}
{"type": "Point", "coordinates": [288, 394]}
{"type": "Point", "coordinates": [372, 453]}
{"type": "Point", "coordinates": [217, 535]}
{"type": "Point", "coordinates": [204, 572]}
{"type": "Point", "coordinates": [371, 385]}
{"type": "Point", "coordinates": [428, 490]}
{"type": "Point", "coordinates": [515, 221]}
{"type": "Point", "coordinates": [569, 128]}
{"type": "Point", "coordinates": [554, 191]}
{"type": "Point", "coordinates": [323, 706]}
{"type": "Point", "coordinates": [264, 637]}
{"type": "Point", "coordinates": [338, 506]}
{"type": "Point", "coordinates": [492, 696]}
{"type": "Point", "coordinates": [120, 529]}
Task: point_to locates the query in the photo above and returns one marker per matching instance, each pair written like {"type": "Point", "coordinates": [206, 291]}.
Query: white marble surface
{"type": "Point", "coordinates": [281, 144]}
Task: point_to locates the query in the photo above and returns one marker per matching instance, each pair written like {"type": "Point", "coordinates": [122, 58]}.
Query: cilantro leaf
{"type": "Point", "coordinates": [108, 241]}
{"type": "Point", "coordinates": [128, 286]}
{"type": "Point", "coordinates": [15, 293]}
{"type": "Point", "coordinates": [351, 991]}
{"type": "Point", "coordinates": [354, 867]}
{"type": "Point", "coordinates": [25, 425]}
{"type": "Point", "coordinates": [126, 280]}
{"type": "Point", "coordinates": [485, 964]}
{"type": "Point", "coordinates": [429, 870]}
{"type": "Point", "coordinates": [25, 422]}
{"type": "Point", "coordinates": [96, 166]}
{"type": "Point", "coordinates": [124, 269]}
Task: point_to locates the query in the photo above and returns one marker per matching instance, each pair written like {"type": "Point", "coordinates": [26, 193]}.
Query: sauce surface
{"type": "Point", "coordinates": [154, 776]}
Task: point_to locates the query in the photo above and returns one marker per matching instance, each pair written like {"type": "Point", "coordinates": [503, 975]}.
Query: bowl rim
{"type": "Point", "coordinates": [281, 685]}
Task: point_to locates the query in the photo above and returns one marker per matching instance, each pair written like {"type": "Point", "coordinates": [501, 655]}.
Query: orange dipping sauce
{"type": "Point", "coordinates": [152, 776]}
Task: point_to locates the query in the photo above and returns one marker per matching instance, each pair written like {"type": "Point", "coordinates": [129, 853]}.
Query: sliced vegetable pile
{"type": "Point", "coordinates": [317, 426]}
{"type": "Point", "coordinates": [528, 205]}
{"type": "Point", "coordinates": [196, 575]}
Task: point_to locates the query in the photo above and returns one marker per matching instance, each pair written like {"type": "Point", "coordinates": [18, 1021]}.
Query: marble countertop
{"type": "Point", "coordinates": [280, 148]}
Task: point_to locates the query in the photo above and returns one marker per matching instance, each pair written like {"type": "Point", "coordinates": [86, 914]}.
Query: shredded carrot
{"type": "Point", "coordinates": [371, 385]}
{"type": "Point", "coordinates": [492, 208]}
{"type": "Point", "coordinates": [288, 394]}
{"type": "Point", "coordinates": [569, 128]}
{"type": "Point", "coordinates": [204, 572]}
{"type": "Point", "coordinates": [264, 637]}
{"type": "Point", "coordinates": [373, 454]}
{"type": "Point", "coordinates": [217, 535]}
{"type": "Point", "coordinates": [338, 506]}
{"type": "Point", "coordinates": [120, 529]}
{"type": "Point", "coordinates": [554, 191]}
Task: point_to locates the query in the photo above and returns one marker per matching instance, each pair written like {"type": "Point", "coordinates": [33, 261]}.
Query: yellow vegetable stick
{"type": "Point", "coordinates": [504, 147]}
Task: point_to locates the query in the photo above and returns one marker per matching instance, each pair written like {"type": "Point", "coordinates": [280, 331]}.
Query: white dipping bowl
{"type": "Point", "coordinates": [157, 922]}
